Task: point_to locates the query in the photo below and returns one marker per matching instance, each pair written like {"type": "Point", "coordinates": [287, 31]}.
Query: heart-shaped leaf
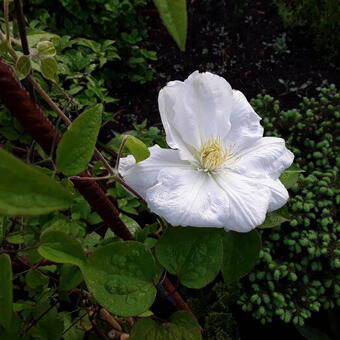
{"type": "Point", "coordinates": [240, 253]}
{"type": "Point", "coordinates": [193, 254]}
{"type": "Point", "coordinates": [120, 277]}
{"type": "Point", "coordinates": [181, 326]}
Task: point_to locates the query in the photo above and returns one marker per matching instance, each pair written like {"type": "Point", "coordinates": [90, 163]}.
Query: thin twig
{"type": "Point", "coordinates": [49, 100]}
{"type": "Point", "coordinates": [120, 150]}
{"type": "Point", "coordinates": [23, 36]}
{"type": "Point", "coordinates": [130, 190]}
{"type": "Point", "coordinates": [21, 26]}
{"type": "Point", "coordinates": [62, 115]}
{"type": "Point", "coordinates": [6, 15]}
{"type": "Point", "coordinates": [81, 178]}
{"type": "Point", "coordinates": [74, 322]}
{"type": "Point", "coordinates": [35, 321]}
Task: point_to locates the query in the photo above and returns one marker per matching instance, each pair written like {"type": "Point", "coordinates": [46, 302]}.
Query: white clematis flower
{"type": "Point", "coordinates": [221, 171]}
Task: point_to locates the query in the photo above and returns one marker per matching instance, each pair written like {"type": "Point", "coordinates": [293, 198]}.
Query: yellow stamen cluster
{"type": "Point", "coordinates": [212, 154]}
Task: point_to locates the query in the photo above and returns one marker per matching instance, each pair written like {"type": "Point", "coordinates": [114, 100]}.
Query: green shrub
{"type": "Point", "coordinates": [319, 17]}
{"type": "Point", "coordinates": [100, 20]}
{"type": "Point", "coordinates": [298, 273]}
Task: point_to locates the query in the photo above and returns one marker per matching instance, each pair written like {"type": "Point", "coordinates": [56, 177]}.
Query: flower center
{"type": "Point", "coordinates": [212, 154]}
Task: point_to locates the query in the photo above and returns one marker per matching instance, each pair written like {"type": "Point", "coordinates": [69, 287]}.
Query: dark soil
{"type": "Point", "coordinates": [236, 40]}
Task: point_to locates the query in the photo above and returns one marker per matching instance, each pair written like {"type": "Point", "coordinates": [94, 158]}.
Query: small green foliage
{"type": "Point", "coordinates": [193, 254]}
{"type": "Point", "coordinates": [318, 18]}
{"type": "Point", "coordinates": [46, 49]}
{"type": "Point", "coordinates": [137, 148]}
{"type": "Point", "coordinates": [26, 191]}
{"type": "Point", "coordinates": [113, 34]}
{"type": "Point", "coordinates": [23, 65]}
{"type": "Point", "coordinates": [275, 218]}
{"type": "Point", "coordinates": [181, 326]}
{"type": "Point", "coordinates": [290, 176]}
{"type": "Point", "coordinates": [211, 305]}
{"type": "Point", "coordinates": [76, 148]}
{"type": "Point", "coordinates": [49, 68]}
{"type": "Point", "coordinates": [298, 271]}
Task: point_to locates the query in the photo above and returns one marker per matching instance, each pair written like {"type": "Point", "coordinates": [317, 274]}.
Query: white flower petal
{"type": "Point", "coordinates": [188, 198]}
{"type": "Point", "coordinates": [279, 194]}
{"type": "Point", "coordinates": [166, 101]}
{"type": "Point", "coordinates": [143, 175]}
{"type": "Point", "coordinates": [192, 198]}
{"type": "Point", "coordinates": [245, 123]}
{"type": "Point", "coordinates": [268, 156]}
{"type": "Point", "coordinates": [195, 110]}
{"type": "Point", "coordinates": [248, 201]}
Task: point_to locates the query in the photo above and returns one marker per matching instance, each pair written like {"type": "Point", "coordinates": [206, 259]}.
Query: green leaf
{"type": "Point", "coordinates": [70, 277]}
{"type": "Point", "coordinates": [131, 224]}
{"type": "Point", "coordinates": [290, 176]}
{"type": "Point", "coordinates": [59, 247]}
{"type": "Point", "coordinates": [50, 327]}
{"type": "Point", "coordinates": [26, 191]}
{"type": "Point", "coordinates": [23, 65]}
{"type": "Point", "coordinates": [34, 37]}
{"type": "Point", "coordinates": [6, 291]}
{"type": "Point", "coordinates": [174, 16]}
{"type": "Point", "coordinates": [181, 326]}
{"type": "Point", "coordinates": [13, 332]}
{"type": "Point", "coordinates": [275, 218]}
{"type": "Point", "coordinates": [35, 279]}
{"type": "Point", "coordinates": [240, 253]}
{"type": "Point", "coordinates": [193, 254]}
{"type": "Point", "coordinates": [46, 49]}
{"type": "Point", "coordinates": [49, 68]}
{"type": "Point", "coordinates": [120, 277]}
{"type": "Point", "coordinates": [74, 329]}
{"type": "Point", "coordinates": [137, 148]}
{"type": "Point", "coordinates": [15, 238]}
{"type": "Point", "coordinates": [76, 148]}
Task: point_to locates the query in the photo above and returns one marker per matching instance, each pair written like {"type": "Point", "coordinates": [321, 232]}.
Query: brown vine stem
{"type": "Point", "coordinates": [31, 117]}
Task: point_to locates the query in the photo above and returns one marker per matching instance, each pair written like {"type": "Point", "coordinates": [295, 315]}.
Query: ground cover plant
{"type": "Point", "coordinates": [86, 199]}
